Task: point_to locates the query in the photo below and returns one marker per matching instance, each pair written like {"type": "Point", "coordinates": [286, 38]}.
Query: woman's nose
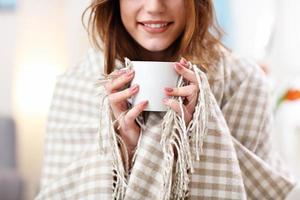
{"type": "Point", "coordinates": [154, 6]}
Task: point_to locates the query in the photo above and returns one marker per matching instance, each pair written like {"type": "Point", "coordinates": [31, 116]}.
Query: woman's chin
{"type": "Point", "coordinates": [155, 47]}
{"type": "Point", "coordinates": [155, 50]}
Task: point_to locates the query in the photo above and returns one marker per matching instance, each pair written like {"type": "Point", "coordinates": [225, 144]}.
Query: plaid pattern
{"type": "Point", "coordinates": [237, 161]}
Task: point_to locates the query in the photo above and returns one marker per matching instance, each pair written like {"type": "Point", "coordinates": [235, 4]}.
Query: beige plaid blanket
{"type": "Point", "coordinates": [236, 162]}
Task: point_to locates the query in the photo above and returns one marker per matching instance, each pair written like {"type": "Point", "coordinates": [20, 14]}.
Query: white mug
{"type": "Point", "coordinates": [152, 78]}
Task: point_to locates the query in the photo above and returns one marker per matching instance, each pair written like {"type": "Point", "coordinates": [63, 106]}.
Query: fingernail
{"type": "Point", "coordinates": [129, 73]}
{"type": "Point", "coordinates": [178, 66]}
{"type": "Point", "coordinates": [183, 60]}
{"type": "Point", "coordinates": [169, 89]}
{"type": "Point", "coordinates": [134, 88]}
{"type": "Point", "coordinates": [145, 103]}
{"type": "Point", "coordinates": [121, 71]}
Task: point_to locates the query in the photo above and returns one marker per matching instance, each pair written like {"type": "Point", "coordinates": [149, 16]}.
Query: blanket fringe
{"type": "Point", "coordinates": [112, 139]}
{"type": "Point", "coordinates": [176, 135]}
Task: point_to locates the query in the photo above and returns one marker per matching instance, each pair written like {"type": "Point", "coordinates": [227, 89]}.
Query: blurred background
{"type": "Point", "coordinates": [41, 39]}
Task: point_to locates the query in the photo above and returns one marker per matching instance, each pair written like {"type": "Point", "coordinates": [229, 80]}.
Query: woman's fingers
{"type": "Point", "coordinates": [120, 80]}
{"type": "Point", "coordinates": [184, 62]}
{"type": "Point", "coordinates": [129, 128]}
{"type": "Point", "coordinates": [134, 112]}
{"type": "Point", "coordinates": [117, 73]}
{"type": "Point", "coordinates": [185, 91]}
{"type": "Point", "coordinates": [174, 104]}
{"type": "Point", "coordinates": [123, 95]}
{"type": "Point", "coordinates": [185, 72]}
{"type": "Point", "coordinates": [190, 92]}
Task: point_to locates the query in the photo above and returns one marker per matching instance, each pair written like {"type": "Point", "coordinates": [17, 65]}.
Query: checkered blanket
{"type": "Point", "coordinates": [237, 161]}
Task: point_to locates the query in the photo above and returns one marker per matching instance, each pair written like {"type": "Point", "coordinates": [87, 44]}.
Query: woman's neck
{"type": "Point", "coordinates": [165, 55]}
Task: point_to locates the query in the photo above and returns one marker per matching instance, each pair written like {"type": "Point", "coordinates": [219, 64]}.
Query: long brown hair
{"type": "Point", "coordinates": [198, 43]}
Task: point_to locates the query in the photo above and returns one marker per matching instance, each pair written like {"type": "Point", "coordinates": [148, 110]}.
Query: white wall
{"type": "Point", "coordinates": [38, 41]}
{"type": "Point", "coordinates": [253, 22]}
{"type": "Point", "coordinates": [77, 41]}
{"type": "Point", "coordinates": [7, 50]}
{"type": "Point", "coordinates": [285, 48]}
{"type": "Point", "coordinates": [29, 14]}
{"type": "Point", "coordinates": [268, 31]}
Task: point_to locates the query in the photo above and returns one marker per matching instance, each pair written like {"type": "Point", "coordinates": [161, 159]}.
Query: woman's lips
{"type": "Point", "coordinates": [155, 27]}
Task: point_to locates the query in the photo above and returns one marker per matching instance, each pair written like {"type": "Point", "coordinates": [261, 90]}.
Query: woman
{"type": "Point", "coordinates": [225, 114]}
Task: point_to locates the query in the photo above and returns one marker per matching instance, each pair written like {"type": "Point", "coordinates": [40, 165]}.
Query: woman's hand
{"type": "Point", "coordinates": [190, 92]}
{"type": "Point", "coordinates": [129, 129]}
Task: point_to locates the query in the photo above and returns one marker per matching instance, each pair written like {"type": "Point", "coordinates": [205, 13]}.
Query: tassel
{"type": "Point", "coordinates": [176, 134]}
{"type": "Point", "coordinates": [198, 126]}
{"type": "Point", "coordinates": [112, 139]}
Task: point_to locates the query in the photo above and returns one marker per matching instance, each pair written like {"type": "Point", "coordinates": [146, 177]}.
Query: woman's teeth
{"type": "Point", "coordinates": [156, 25]}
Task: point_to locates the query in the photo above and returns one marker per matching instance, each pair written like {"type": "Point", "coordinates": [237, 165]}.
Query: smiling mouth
{"type": "Point", "coordinates": [155, 26]}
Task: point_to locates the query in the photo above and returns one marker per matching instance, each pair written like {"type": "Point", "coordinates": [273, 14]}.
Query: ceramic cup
{"type": "Point", "coordinates": [153, 77]}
